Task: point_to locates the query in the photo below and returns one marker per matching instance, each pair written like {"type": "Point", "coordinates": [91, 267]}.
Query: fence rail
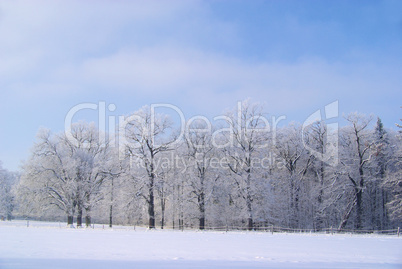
{"type": "Point", "coordinates": [331, 230]}
{"type": "Point", "coordinates": [267, 229]}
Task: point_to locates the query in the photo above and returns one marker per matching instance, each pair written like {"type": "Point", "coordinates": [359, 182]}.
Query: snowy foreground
{"type": "Point", "coordinates": [53, 247]}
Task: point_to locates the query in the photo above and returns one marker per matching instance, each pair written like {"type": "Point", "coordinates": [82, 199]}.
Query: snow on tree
{"type": "Point", "coordinates": [66, 172]}
{"type": "Point", "coordinates": [322, 175]}
{"type": "Point", "coordinates": [296, 163]}
{"type": "Point", "coordinates": [145, 137]}
{"type": "Point", "coordinates": [393, 179]}
{"type": "Point", "coordinates": [377, 193]}
{"type": "Point", "coordinates": [248, 133]}
{"type": "Point", "coordinates": [201, 176]}
{"type": "Point", "coordinates": [234, 173]}
{"type": "Point", "coordinates": [357, 149]}
{"type": "Point", "coordinates": [7, 181]}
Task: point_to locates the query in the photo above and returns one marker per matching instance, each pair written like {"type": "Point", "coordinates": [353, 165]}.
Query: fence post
{"type": "Point", "coordinates": [27, 223]}
{"type": "Point", "coordinates": [332, 232]}
{"type": "Point", "coordinates": [398, 231]}
{"type": "Point", "coordinates": [272, 229]}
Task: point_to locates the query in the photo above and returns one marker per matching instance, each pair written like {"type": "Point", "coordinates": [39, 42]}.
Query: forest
{"type": "Point", "coordinates": [240, 172]}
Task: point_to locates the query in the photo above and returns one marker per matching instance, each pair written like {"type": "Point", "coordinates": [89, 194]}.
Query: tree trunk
{"type": "Point", "coordinates": [111, 216]}
{"type": "Point", "coordinates": [201, 205]}
{"type": "Point", "coordinates": [250, 224]}
{"type": "Point", "coordinates": [249, 202]}
{"type": "Point", "coordinates": [151, 207]}
{"type": "Point", "coordinates": [345, 217]}
{"type": "Point", "coordinates": [320, 221]}
{"type": "Point", "coordinates": [384, 210]}
{"type": "Point", "coordinates": [181, 211]}
{"type": "Point", "coordinates": [359, 196]}
{"type": "Point", "coordinates": [151, 201]}
{"type": "Point", "coordinates": [202, 223]}
{"type": "Point", "coordinates": [202, 213]}
{"type": "Point", "coordinates": [163, 205]}
{"type": "Point", "coordinates": [297, 213]}
{"type": "Point", "coordinates": [70, 220]}
{"type": "Point", "coordinates": [173, 208]}
{"type": "Point", "coordinates": [111, 205]}
{"type": "Point", "coordinates": [151, 212]}
{"type": "Point", "coordinates": [79, 217]}
{"type": "Point", "coordinates": [88, 221]}
{"type": "Point", "coordinates": [294, 200]}
{"type": "Point", "coordinates": [250, 213]}
{"type": "Point", "coordinates": [359, 208]}
{"type": "Point", "coordinates": [88, 217]}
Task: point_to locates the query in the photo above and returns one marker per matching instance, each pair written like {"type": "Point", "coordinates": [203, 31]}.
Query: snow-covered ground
{"type": "Point", "coordinates": [48, 246]}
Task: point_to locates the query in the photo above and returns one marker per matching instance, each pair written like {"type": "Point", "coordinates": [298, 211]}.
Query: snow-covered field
{"type": "Point", "coordinates": [48, 246]}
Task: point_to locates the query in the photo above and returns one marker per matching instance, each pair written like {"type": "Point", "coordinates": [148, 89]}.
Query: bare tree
{"type": "Point", "coordinates": [66, 171]}
{"type": "Point", "coordinates": [48, 177]}
{"type": "Point", "coordinates": [316, 140]}
{"type": "Point", "coordinates": [248, 134]}
{"type": "Point", "coordinates": [80, 175]}
{"type": "Point", "coordinates": [200, 151]}
{"type": "Point", "coordinates": [296, 162]}
{"type": "Point", "coordinates": [7, 181]}
{"type": "Point", "coordinates": [145, 134]}
{"type": "Point", "coordinates": [357, 150]}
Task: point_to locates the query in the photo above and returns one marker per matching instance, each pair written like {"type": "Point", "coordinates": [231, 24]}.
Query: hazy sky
{"type": "Point", "coordinates": [201, 56]}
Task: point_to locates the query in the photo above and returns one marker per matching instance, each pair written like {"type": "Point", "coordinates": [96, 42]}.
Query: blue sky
{"type": "Point", "coordinates": [201, 56]}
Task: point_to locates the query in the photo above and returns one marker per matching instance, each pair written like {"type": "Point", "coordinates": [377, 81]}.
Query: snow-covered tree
{"type": "Point", "coordinates": [247, 135]}
{"type": "Point", "coordinates": [201, 176]}
{"type": "Point", "coordinates": [146, 138]}
{"type": "Point", "coordinates": [7, 180]}
{"type": "Point", "coordinates": [377, 193]}
{"type": "Point", "coordinates": [66, 171]}
{"type": "Point", "coordinates": [48, 177]}
{"type": "Point", "coordinates": [321, 174]}
{"type": "Point", "coordinates": [296, 162]}
{"type": "Point", "coordinates": [393, 179]}
{"type": "Point", "coordinates": [238, 173]}
{"type": "Point", "coordinates": [357, 151]}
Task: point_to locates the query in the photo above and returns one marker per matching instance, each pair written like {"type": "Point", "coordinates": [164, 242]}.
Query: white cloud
{"type": "Point", "coordinates": [207, 76]}
{"type": "Point", "coordinates": [54, 54]}
{"type": "Point", "coordinates": [44, 35]}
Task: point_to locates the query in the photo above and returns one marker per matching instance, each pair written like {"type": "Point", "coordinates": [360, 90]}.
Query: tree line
{"type": "Point", "coordinates": [241, 173]}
